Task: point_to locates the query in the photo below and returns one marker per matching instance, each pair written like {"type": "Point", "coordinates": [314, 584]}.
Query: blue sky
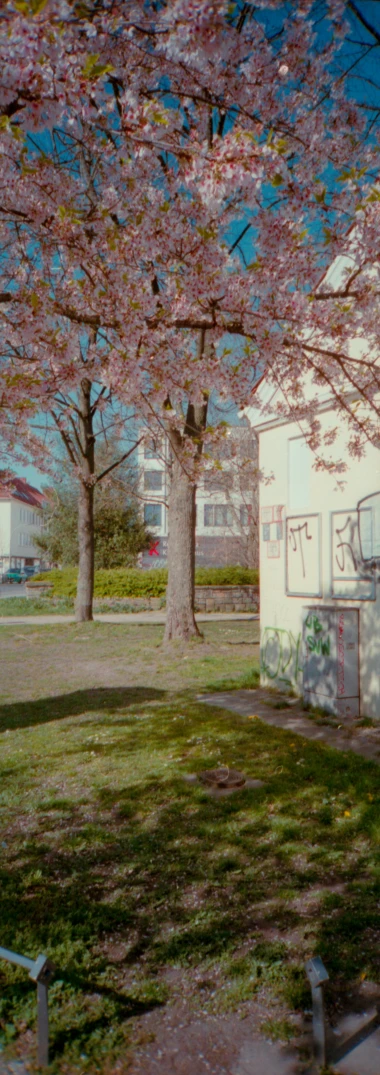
{"type": "Point", "coordinates": [33, 476]}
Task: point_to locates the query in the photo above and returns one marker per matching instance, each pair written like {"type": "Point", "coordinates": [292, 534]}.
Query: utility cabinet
{"type": "Point", "coordinates": [331, 659]}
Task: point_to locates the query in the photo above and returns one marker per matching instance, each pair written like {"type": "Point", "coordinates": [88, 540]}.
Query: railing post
{"type": "Point", "coordinates": [41, 971]}
{"type": "Point", "coordinates": [42, 1025]}
{"type": "Point", "coordinates": [317, 975]}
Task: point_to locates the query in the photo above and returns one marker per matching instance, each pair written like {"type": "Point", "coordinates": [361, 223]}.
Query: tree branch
{"type": "Point", "coordinates": [118, 461]}
{"type": "Point", "coordinates": [368, 26]}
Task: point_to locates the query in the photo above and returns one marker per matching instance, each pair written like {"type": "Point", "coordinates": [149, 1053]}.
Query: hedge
{"type": "Point", "coordinates": [131, 582]}
{"type": "Point", "coordinates": [226, 576]}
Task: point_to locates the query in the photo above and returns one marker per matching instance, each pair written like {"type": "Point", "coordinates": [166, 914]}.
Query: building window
{"type": "Point", "coordinates": [153, 479]}
{"type": "Point", "coordinates": [152, 449]}
{"type": "Point", "coordinates": [152, 514]}
{"type": "Point", "coordinates": [245, 514]}
{"type": "Point", "coordinates": [218, 515]}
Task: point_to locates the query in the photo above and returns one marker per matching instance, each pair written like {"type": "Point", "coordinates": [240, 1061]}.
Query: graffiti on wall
{"type": "Point", "coordinates": [317, 640]}
{"type": "Point", "coordinates": [281, 656]}
{"type": "Point", "coordinates": [349, 577]}
{"type": "Point", "coordinates": [303, 556]}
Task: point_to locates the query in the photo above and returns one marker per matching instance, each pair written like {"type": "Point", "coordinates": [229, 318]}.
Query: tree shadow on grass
{"type": "Point", "coordinates": [58, 707]}
{"type": "Point", "coordinates": [155, 872]}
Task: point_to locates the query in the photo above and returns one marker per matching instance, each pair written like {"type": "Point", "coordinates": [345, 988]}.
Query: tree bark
{"type": "Point", "coordinates": [180, 619]}
{"type": "Point", "coordinates": [85, 587]}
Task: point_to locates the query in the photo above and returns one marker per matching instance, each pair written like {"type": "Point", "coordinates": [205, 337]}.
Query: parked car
{"type": "Point", "coordinates": [14, 574]}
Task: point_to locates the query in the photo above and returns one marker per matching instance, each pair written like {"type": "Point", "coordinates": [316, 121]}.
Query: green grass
{"type": "Point", "coordinates": [247, 681]}
{"type": "Point", "coordinates": [119, 869]}
{"type": "Point", "coordinates": [35, 606]}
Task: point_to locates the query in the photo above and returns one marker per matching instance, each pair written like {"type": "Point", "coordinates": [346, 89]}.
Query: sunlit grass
{"type": "Point", "coordinates": [119, 869]}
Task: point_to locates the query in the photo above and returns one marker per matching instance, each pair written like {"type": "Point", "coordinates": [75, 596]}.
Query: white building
{"type": "Point", "coordinates": [319, 566]}
{"type": "Point", "coordinates": [225, 500]}
{"type": "Point", "coordinates": [20, 521]}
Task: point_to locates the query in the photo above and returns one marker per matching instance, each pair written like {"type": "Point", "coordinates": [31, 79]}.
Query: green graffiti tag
{"type": "Point", "coordinates": [281, 655]}
{"type": "Point", "coordinates": [314, 641]}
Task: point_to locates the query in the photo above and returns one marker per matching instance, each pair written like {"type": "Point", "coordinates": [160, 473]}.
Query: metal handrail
{"type": "Point", "coordinates": [324, 1051]}
{"type": "Point", "coordinates": [41, 971]}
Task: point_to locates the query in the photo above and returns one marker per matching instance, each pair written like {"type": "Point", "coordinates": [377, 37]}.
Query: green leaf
{"type": "Point", "coordinates": [159, 117]}
{"type": "Point", "coordinates": [281, 146]}
{"type": "Point", "coordinates": [92, 69]}
{"type": "Point", "coordinates": [277, 180]}
{"type": "Point", "coordinates": [30, 7]}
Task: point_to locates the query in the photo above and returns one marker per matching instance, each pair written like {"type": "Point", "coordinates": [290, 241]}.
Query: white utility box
{"type": "Point", "coordinates": [331, 677]}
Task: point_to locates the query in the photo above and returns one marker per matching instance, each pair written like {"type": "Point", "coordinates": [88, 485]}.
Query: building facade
{"type": "Point", "coordinates": [21, 519]}
{"type": "Point", "coordinates": [226, 501]}
{"type": "Point", "coordinates": [319, 567]}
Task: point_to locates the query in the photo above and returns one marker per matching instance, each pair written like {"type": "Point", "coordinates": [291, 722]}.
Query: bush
{"type": "Point", "coordinates": [131, 582]}
{"type": "Point", "coordinates": [226, 576]}
{"type": "Point", "coordinates": [115, 582]}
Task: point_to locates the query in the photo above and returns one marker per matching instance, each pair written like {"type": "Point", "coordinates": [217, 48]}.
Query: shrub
{"type": "Point", "coordinates": [226, 576]}
{"type": "Point", "coordinates": [132, 582]}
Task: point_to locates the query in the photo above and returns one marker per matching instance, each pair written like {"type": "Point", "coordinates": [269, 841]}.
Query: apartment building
{"type": "Point", "coordinates": [225, 501]}
{"type": "Point", "coordinates": [20, 521]}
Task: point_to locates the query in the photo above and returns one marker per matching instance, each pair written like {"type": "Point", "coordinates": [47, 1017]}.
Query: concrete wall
{"type": "Point", "coordinates": [309, 556]}
{"type": "Point", "coordinates": [227, 598]}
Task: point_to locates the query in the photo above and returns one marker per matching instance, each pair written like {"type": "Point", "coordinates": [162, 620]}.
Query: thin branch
{"type": "Point", "coordinates": [118, 461]}
{"type": "Point", "coordinates": [364, 21]}
{"type": "Point", "coordinates": [237, 241]}
{"type": "Point", "coordinates": [66, 440]}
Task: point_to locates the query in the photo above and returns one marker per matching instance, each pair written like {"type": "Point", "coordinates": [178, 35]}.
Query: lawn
{"type": "Point", "coordinates": [120, 870]}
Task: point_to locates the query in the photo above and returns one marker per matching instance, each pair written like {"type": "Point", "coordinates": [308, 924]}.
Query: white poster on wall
{"type": "Point", "coordinates": [303, 557]}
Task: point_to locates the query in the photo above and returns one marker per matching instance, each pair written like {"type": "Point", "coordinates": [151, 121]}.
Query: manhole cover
{"type": "Point", "coordinates": [222, 778]}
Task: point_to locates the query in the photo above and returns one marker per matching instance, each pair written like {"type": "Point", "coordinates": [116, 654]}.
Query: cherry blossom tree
{"type": "Point", "coordinates": [59, 405]}
{"type": "Point", "coordinates": [174, 180]}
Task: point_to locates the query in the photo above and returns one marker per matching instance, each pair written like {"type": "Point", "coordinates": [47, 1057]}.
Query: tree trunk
{"type": "Point", "coordinates": [85, 587]}
{"type": "Point", "coordinates": [180, 621]}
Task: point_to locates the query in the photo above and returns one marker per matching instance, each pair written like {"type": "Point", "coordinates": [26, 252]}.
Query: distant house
{"type": "Point", "coordinates": [20, 521]}
{"type": "Point", "coordinates": [226, 501]}
{"type": "Point", "coordinates": [319, 565]}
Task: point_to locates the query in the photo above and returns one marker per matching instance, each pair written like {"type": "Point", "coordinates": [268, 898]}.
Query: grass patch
{"type": "Point", "coordinates": [247, 681]}
{"type": "Point", "coordinates": [35, 606]}
{"type": "Point", "coordinates": [119, 869]}
{"type": "Point", "coordinates": [278, 1029]}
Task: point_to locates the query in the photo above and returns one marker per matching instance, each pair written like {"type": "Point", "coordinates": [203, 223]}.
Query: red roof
{"type": "Point", "coordinates": [13, 488]}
